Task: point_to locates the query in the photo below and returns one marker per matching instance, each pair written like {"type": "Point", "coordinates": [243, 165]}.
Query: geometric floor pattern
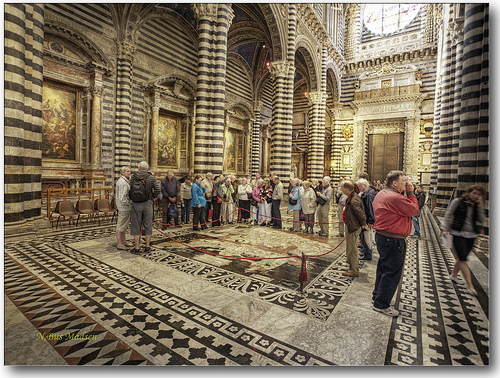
{"type": "Point", "coordinates": [440, 323]}
{"type": "Point", "coordinates": [155, 327]}
{"type": "Point", "coordinates": [93, 313]}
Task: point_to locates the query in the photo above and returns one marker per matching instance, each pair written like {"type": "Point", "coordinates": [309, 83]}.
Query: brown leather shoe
{"type": "Point", "coordinates": [350, 274]}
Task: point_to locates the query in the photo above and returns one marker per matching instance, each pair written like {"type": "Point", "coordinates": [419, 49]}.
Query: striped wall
{"type": "Point", "coordinates": [23, 80]}
{"type": "Point", "coordinates": [237, 81]}
{"type": "Point", "coordinates": [91, 17]}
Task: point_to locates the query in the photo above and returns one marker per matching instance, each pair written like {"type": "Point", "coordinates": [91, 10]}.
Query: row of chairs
{"type": "Point", "coordinates": [67, 210]}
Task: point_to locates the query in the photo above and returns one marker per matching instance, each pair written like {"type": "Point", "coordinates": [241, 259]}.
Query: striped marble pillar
{"type": "Point", "coordinates": [316, 136]}
{"type": "Point", "coordinates": [282, 74]}
{"type": "Point", "coordinates": [214, 21]}
{"type": "Point", "coordinates": [123, 116]}
{"type": "Point", "coordinates": [473, 167]}
{"type": "Point", "coordinates": [23, 80]}
{"type": "Point", "coordinates": [255, 144]}
{"type": "Point", "coordinates": [95, 153]}
{"type": "Point", "coordinates": [449, 120]}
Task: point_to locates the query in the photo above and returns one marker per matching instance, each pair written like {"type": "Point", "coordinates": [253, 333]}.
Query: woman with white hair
{"type": "Point", "coordinates": [294, 204]}
{"type": "Point", "coordinates": [266, 200]}
{"type": "Point", "coordinates": [244, 191]}
{"type": "Point", "coordinates": [227, 202]}
{"type": "Point", "coordinates": [256, 201]}
{"type": "Point", "coordinates": [308, 203]}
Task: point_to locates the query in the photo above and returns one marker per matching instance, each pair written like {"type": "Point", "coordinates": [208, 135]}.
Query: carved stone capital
{"type": "Point", "coordinates": [316, 97]}
{"type": "Point", "coordinates": [257, 106]}
{"type": "Point", "coordinates": [205, 11]}
{"type": "Point", "coordinates": [126, 50]}
{"type": "Point", "coordinates": [96, 90]}
{"type": "Point", "coordinates": [279, 69]}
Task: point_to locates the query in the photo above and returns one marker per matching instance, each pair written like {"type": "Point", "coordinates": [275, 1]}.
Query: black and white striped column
{"type": "Point", "coordinates": [316, 136]}
{"type": "Point", "coordinates": [255, 140]}
{"type": "Point", "coordinates": [123, 118]}
{"type": "Point", "coordinates": [23, 83]}
{"type": "Point", "coordinates": [213, 24]}
{"type": "Point", "coordinates": [449, 120]}
{"type": "Point", "coordinates": [473, 165]}
{"type": "Point", "coordinates": [282, 74]}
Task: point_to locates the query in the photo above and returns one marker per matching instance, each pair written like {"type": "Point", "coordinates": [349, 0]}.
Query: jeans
{"type": "Point", "coordinates": [416, 224]}
{"type": "Point", "coordinates": [185, 210]}
{"type": "Point", "coordinates": [390, 265]}
{"type": "Point", "coordinates": [366, 238]}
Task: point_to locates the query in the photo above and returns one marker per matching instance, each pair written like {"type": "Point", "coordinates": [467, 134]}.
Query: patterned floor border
{"type": "Point", "coordinates": [439, 322]}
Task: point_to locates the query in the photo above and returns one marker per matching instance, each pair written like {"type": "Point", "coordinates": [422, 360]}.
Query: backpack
{"type": "Point", "coordinates": [138, 191]}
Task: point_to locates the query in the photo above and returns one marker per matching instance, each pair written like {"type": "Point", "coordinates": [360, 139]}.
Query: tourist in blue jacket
{"type": "Point", "coordinates": [199, 203]}
{"type": "Point", "coordinates": [295, 196]}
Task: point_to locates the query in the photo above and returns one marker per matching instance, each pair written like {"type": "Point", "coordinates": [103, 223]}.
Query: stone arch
{"type": "Point", "coordinates": [309, 67]}
{"type": "Point", "coordinates": [180, 86]}
{"type": "Point", "coordinates": [85, 48]}
{"type": "Point", "coordinates": [269, 10]}
{"type": "Point", "coordinates": [303, 45]}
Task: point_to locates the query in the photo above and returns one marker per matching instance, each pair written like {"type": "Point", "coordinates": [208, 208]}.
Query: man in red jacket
{"type": "Point", "coordinates": [393, 212]}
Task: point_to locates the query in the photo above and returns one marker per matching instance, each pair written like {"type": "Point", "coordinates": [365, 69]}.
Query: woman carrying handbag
{"type": "Point", "coordinates": [463, 220]}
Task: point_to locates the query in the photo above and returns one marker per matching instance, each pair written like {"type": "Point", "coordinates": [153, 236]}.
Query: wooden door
{"type": "Point", "coordinates": [385, 153]}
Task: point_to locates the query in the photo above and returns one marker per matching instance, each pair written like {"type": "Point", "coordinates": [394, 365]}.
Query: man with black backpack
{"type": "Point", "coordinates": [144, 188]}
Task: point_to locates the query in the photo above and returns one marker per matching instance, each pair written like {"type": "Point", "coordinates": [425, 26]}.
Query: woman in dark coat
{"type": "Point", "coordinates": [463, 219]}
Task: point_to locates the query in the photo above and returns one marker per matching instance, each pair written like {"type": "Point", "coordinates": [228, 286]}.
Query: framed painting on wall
{"type": "Point", "coordinates": [230, 152]}
{"type": "Point", "coordinates": [168, 138]}
{"type": "Point", "coordinates": [60, 123]}
{"type": "Point", "coordinates": [346, 159]}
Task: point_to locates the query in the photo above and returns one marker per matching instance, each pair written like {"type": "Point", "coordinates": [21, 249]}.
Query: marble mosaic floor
{"type": "Point", "coordinates": [72, 298]}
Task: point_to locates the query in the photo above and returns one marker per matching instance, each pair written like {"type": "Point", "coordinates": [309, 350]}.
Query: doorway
{"type": "Point", "coordinates": [385, 154]}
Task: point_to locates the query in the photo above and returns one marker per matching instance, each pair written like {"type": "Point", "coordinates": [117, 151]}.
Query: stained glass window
{"type": "Point", "coordinates": [389, 18]}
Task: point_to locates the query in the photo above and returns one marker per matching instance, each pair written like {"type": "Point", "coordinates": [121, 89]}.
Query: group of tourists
{"type": "Point", "coordinates": [379, 215]}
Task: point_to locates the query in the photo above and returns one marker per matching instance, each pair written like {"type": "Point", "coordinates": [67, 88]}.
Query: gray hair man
{"type": "Point", "coordinates": [122, 201]}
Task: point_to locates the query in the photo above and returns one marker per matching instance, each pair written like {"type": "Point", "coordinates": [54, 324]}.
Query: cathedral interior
{"type": "Point", "coordinates": [299, 90]}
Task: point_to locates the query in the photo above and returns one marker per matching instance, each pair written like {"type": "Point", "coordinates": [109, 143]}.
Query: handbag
{"type": "Point", "coordinates": [172, 211]}
{"type": "Point", "coordinates": [219, 199]}
{"type": "Point", "coordinates": [292, 201]}
{"type": "Point", "coordinates": [447, 240]}
{"type": "Point", "coordinates": [321, 201]}
{"type": "Point", "coordinates": [226, 199]}
{"type": "Point", "coordinates": [253, 202]}
{"type": "Point", "coordinates": [249, 196]}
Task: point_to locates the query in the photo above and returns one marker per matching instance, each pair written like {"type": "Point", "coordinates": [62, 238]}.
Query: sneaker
{"type": "Point", "coordinates": [389, 311]}
{"type": "Point", "coordinates": [135, 251]}
{"type": "Point", "coordinates": [456, 280]}
{"type": "Point", "coordinates": [364, 258]}
{"type": "Point", "coordinates": [147, 249]}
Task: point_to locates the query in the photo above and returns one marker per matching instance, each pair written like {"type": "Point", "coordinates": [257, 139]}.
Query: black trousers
{"type": "Point", "coordinates": [198, 216]}
{"type": "Point", "coordinates": [216, 213]}
{"type": "Point", "coordinates": [276, 213]}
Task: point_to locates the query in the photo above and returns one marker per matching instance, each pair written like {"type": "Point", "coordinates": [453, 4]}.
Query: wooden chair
{"type": "Point", "coordinates": [65, 209]}
{"type": "Point", "coordinates": [115, 212]}
{"type": "Point", "coordinates": [84, 207]}
{"type": "Point", "coordinates": [102, 206]}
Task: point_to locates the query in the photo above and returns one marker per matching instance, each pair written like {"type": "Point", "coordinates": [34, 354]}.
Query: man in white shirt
{"type": "Point", "coordinates": [123, 204]}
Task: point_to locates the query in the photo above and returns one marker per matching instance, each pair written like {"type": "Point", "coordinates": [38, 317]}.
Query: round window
{"type": "Point", "coordinates": [389, 18]}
